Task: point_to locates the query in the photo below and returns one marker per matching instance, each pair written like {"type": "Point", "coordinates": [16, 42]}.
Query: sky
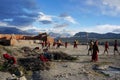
{"type": "Point", "coordinates": [61, 16]}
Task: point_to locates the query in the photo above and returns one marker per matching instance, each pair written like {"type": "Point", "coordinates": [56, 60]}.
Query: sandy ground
{"type": "Point", "coordinates": [81, 69]}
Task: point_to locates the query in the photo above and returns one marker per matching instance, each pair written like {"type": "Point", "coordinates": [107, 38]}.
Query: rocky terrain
{"type": "Point", "coordinates": [78, 68]}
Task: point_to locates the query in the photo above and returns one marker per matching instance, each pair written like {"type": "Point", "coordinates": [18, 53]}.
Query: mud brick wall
{"type": "Point", "coordinates": [23, 39]}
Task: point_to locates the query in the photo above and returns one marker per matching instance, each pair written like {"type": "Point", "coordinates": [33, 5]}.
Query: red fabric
{"type": "Point", "coordinates": [14, 60]}
{"type": "Point", "coordinates": [66, 44]}
{"type": "Point", "coordinates": [46, 43]}
{"type": "Point", "coordinates": [95, 56]}
{"type": "Point", "coordinates": [8, 57]}
{"type": "Point", "coordinates": [106, 45]}
{"type": "Point", "coordinates": [95, 52]}
{"type": "Point", "coordinates": [54, 44]}
{"type": "Point", "coordinates": [75, 45]}
{"type": "Point", "coordinates": [42, 44]}
{"type": "Point", "coordinates": [115, 45]}
{"type": "Point", "coordinates": [43, 58]}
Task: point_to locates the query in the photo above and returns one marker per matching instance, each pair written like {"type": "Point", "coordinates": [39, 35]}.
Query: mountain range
{"type": "Point", "coordinates": [97, 35]}
{"type": "Point", "coordinates": [13, 30]}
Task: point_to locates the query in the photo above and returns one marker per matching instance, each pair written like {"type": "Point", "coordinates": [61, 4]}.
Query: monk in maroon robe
{"type": "Point", "coordinates": [75, 44]}
{"type": "Point", "coordinates": [54, 44]}
{"type": "Point", "coordinates": [95, 52]}
{"type": "Point", "coordinates": [116, 47]}
{"type": "Point", "coordinates": [43, 44]}
{"type": "Point", "coordinates": [106, 47]}
{"type": "Point", "coordinates": [66, 44]}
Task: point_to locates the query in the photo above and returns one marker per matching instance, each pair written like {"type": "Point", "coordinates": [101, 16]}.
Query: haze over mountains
{"type": "Point", "coordinates": [12, 30]}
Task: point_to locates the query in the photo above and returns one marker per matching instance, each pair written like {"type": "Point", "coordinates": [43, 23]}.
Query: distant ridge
{"type": "Point", "coordinates": [97, 35]}
{"type": "Point", "coordinates": [12, 30]}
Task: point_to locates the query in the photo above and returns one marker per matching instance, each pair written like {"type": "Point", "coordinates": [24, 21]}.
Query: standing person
{"type": "Point", "coordinates": [66, 44]}
{"type": "Point", "coordinates": [43, 44]}
{"type": "Point", "coordinates": [116, 47]}
{"type": "Point", "coordinates": [106, 47]}
{"type": "Point", "coordinates": [54, 44]}
{"type": "Point", "coordinates": [91, 43]}
{"type": "Point", "coordinates": [95, 51]}
{"type": "Point", "coordinates": [75, 44]}
{"type": "Point", "coordinates": [46, 44]}
{"type": "Point", "coordinates": [58, 43]}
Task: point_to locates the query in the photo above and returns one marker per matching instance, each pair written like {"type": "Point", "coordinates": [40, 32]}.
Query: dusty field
{"type": "Point", "coordinates": [81, 69]}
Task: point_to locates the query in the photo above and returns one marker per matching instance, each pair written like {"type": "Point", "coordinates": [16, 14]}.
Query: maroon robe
{"type": "Point", "coordinates": [66, 44]}
{"type": "Point", "coordinates": [95, 52]}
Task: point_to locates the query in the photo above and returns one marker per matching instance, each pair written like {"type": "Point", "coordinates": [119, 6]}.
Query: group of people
{"type": "Point", "coordinates": [45, 44]}
{"type": "Point", "coordinates": [57, 44]}
{"type": "Point", "coordinates": [75, 44]}
{"type": "Point", "coordinates": [93, 48]}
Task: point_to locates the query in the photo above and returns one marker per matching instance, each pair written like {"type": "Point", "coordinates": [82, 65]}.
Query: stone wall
{"type": "Point", "coordinates": [14, 39]}
{"type": "Point", "coordinates": [22, 42]}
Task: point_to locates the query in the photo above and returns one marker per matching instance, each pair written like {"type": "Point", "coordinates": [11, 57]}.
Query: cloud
{"type": "Point", "coordinates": [102, 28]}
{"type": "Point", "coordinates": [61, 28]}
{"type": "Point", "coordinates": [106, 7]}
{"type": "Point", "coordinates": [3, 24]}
{"type": "Point", "coordinates": [111, 7]}
{"type": "Point", "coordinates": [18, 12]}
{"type": "Point", "coordinates": [45, 19]}
{"type": "Point", "coordinates": [116, 30]}
{"type": "Point", "coordinates": [61, 25]}
{"type": "Point", "coordinates": [68, 18]}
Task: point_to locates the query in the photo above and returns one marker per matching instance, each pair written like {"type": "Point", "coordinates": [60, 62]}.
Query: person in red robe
{"type": "Point", "coordinates": [58, 44]}
{"type": "Point", "coordinates": [95, 52]}
{"type": "Point", "coordinates": [116, 47]}
{"type": "Point", "coordinates": [46, 43]}
{"type": "Point", "coordinates": [54, 44]}
{"type": "Point", "coordinates": [66, 44]}
{"type": "Point", "coordinates": [43, 44]}
{"type": "Point", "coordinates": [106, 47]}
{"type": "Point", "coordinates": [75, 44]}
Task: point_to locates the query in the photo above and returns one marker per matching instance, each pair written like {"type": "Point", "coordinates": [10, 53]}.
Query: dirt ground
{"type": "Point", "coordinates": [81, 69]}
